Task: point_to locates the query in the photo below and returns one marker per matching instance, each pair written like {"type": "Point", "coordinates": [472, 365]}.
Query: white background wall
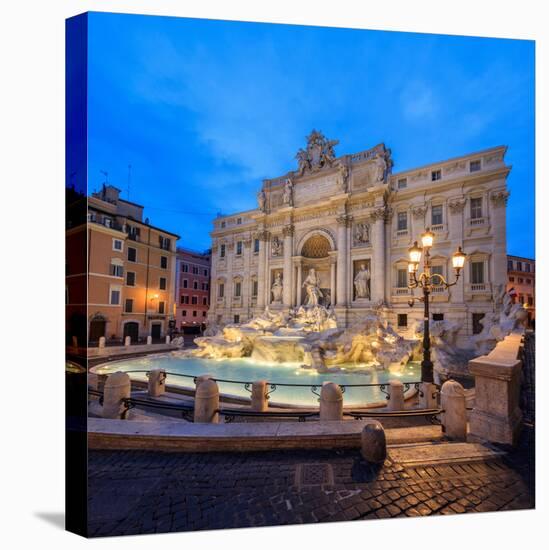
{"type": "Point", "coordinates": [32, 144]}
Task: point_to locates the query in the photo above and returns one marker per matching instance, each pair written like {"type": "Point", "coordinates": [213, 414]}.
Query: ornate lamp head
{"type": "Point", "coordinates": [427, 238]}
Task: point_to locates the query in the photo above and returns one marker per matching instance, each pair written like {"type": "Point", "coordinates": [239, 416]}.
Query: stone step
{"type": "Point", "coordinates": [442, 453]}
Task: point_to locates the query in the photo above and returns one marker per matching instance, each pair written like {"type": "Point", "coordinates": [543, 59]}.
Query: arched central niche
{"type": "Point", "coordinates": [316, 246]}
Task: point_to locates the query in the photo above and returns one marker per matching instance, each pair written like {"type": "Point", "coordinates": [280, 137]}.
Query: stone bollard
{"type": "Point", "coordinates": [167, 338]}
{"type": "Point", "coordinates": [127, 341]}
{"type": "Point", "coordinates": [260, 400]}
{"type": "Point", "coordinates": [373, 444]}
{"type": "Point", "coordinates": [428, 396]}
{"type": "Point", "coordinates": [206, 402]}
{"type": "Point", "coordinates": [396, 395]}
{"type": "Point", "coordinates": [454, 417]}
{"type": "Point", "coordinates": [149, 340]}
{"type": "Point", "coordinates": [102, 341]}
{"type": "Point", "coordinates": [157, 382]}
{"type": "Point", "coordinates": [117, 387]}
{"type": "Point", "coordinates": [331, 402]}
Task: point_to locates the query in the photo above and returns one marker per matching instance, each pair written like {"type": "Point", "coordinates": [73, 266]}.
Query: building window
{"type": "Point", "coordinates": [162, 283]}
{"type": "Point", "coordinates": [237, 289]}
{"type": "Point", "coordinates": [203, 314]}
{"type": "Point", "coordinates": [221, 290]}
{"type": "Point", "coordinates": [521, 298]}
{"type": "Point", "coordinates": [236, 319]}
{"type": "Point", "coordinates": [222, 251]}
{"type": "Point", "coordinates": [238, 221]}
{"type": "Point", "coordinates": [117, 270]}
{"type": "Point", "coordinates": [184, 268]}
{"type": "Point", "coordinates": [477, 273]}
{"type": "Point", "coordinates": [402, 183]}
{"type": "Point", "coordinates": [205, 272]}
{"type": "Point", "coordinates": [520, 280]}
{"type": "Point", "coordinates": [161, 307]}
{"type": "Point", "coordinates": [436, 175]}
{"type": "Point", "coordinates": [132, 254]}
{"type": "Point", "coordinates": [130, 278]}
{"type": "Point", "coordinates": [115, 296]}
{"type": "Point", "coordinates": [223, 224]}
{"type": "Point", "coordinates": [256, 246]}
{"type": "Point", "coordinates": [195, 270]}
{"type": "Point", "coordinates": [511, 279]}
{"type": "Point", "coordinates": [195, 285]}
{"type": "Point", "coordinates": [530, 300]}
{"type": "Point", "coordinates": [527, 268]}
{"type": "Point", "coordinates": [204, 301]}
{"type": "Point", "coordinates": [239, 248]}
{"type": "Point", "coordinates": [128, 305]}
{"type": "Point", "coordinates": [474, 166]}
{"type": "Point", "coordinates": [437, 270]}
{"type": "Point", "coordinates": [402, 320]}
{"type": "Point", "coordinates": [436, 215]}
{"type": "Point", "coordinates": [184, 299]}
{"type": "Point", "coordinates": [476, 208]}
{"type": "Point", "coordinates": [438, 316]}
{"type": "Point", "coordinates": [402, 278]}
{"type": "Point", "coordinates": [402, 221]}
{"type": "Point", "coordinates": [133, 232]}
{"type": "Point", "coordinates": [184, 313]}
{"type": "Point", "coordinates": [164, 242]}
{"type": "Point", "coordinates": [185, 283]}
{"type": "Point", "coordinates": [477, 322]}
{"type": "Point", "coordinates": [194, 313]}
{"type": "Point", "coordinates": [107, 222]}
{"type": "Point", "coordinates": [528, 281]}
{"type": "Point", "coordinates": [194, 300]}
{"type": "Point", "coordinates": [118, 245]}
{"type": "Point", "coordinates": [519, 266]}
{"type": "Point", "coordinates": [164, 262]}
{"type": "Point", "coordinates": [509, 265]}
{"type": "Point", "coordinates": [254, 288]}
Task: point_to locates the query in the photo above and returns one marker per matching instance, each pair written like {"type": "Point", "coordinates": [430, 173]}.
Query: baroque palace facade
{"type": "Point", "coordinates": [346, 223]}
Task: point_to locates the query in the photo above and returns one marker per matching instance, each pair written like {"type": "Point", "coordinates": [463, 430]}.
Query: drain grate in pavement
{"type": "Point", "coordinates": [307, 475]}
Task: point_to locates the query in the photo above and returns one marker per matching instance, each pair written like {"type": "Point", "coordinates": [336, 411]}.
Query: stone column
{"type": "Point", "coordinates": [287, 282]}
{"type": "Point", "coordinates": [259, 396]}
{"type": "Point", "coordinates": [341, 290]}
{"type": "Point", "coordinates": [247, 282]}
{"type": "Point", "coordinates": [378, 261]}
{"type": "Point", "coordinates": [263, 237]}
{"type": "Point", "coordinates": [229, 285]}
{"type": "Point", "coordinates": [456, 227]}
{"type": "Point", "coordinates": [333, 263]}
{"type": "Point", "coordinates": [498, 202]}
{"type": "Point", "coordinates": [117, 388]}
{"type": "Point", "coordinates": [331, 402]}
{"type": "Point", "coordinates": [396, 395]}
{"type": "Point", "coordinates": [454, 417]}
{"type": "Point", "coordinates": [298, 285]}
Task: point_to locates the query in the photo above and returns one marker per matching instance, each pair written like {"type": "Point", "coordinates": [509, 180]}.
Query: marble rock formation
{"type": "Point", "coordinates": [497, 326]}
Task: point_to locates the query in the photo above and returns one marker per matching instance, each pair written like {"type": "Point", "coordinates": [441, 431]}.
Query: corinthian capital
{"type": "Point", "coordinates": [378, 214]}
{"type": "Point", "coordinates": [344, 220]}
{"type": "Point", "coordinates": [288, 230]}
{"type": "Point", "coordinates": [499, 198]}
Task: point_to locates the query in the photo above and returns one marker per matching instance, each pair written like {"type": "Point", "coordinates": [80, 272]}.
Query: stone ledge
{"type": "Point", "coordinates": [190, 437]}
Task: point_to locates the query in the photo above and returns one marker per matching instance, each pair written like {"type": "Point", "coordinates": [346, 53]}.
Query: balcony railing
{"type": "Point", "coordinates": [477, 221]}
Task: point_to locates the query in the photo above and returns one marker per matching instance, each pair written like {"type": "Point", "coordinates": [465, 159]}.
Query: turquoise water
{"type": "Point", "coordinates": [248, 370]}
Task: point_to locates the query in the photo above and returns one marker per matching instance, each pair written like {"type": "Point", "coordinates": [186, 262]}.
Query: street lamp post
{"type": "Point", "coordinates": [425, 281]}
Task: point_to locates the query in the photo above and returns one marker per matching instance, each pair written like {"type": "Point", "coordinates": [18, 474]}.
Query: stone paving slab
{"type": "Point", "coordinates": [443, 453]}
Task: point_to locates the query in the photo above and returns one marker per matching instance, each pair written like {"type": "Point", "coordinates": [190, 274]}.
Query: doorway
{"type": "Point", "coordinates": [131, 329]}
{"type": "Point", "coordinates": [156, 331]}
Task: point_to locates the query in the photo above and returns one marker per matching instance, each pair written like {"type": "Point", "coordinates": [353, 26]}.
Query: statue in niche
{"type": "Point", "coordinates": [380, 167]}
{"type": "Point", "coordinates": [277, 288]}
{"type": "Point", "coordinates": [261, 200]}
{"type": "Point", "coordinates": [312, 286]}
{"type": "Point", "coordinates": [342, 177]}
{"type": "Point", "coordinates": [362, 283]}
{"type": "Point", "coordinates": [276, 247]}
{"type": "Point", "coordinates": [361, 234]}
{"type": "Point", "coordinates": [288, 195]}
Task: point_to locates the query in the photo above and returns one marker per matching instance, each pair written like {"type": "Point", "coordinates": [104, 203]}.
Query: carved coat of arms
{"type": "Point", "coordinates": [318, 153]}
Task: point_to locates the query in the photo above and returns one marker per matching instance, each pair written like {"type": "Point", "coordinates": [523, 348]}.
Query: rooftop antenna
{"type": "Point", "coordinates": [129, 179]}
{"type": "Point", "coordinates": [106, 174]}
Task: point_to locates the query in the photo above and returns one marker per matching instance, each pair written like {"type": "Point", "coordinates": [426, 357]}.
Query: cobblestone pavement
{"type": "Point", "coordinates": [135, 492]}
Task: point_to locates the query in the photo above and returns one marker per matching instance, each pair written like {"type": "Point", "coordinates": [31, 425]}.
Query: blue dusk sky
{"type": "Point", "coordinates": [204, 110]}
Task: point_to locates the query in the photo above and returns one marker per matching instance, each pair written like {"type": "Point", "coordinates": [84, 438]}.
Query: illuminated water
{"type": "Point", "coordinates": [247, 370]}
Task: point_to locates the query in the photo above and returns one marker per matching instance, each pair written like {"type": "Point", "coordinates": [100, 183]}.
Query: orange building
{"type": "Point", "coordinates": [521, 276]}
{"type": "Point", "coordinates": [131, 271]}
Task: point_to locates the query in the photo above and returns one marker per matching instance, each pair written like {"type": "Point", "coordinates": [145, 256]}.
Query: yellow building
{"type": "Point", "coordinates": [131, 271]}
